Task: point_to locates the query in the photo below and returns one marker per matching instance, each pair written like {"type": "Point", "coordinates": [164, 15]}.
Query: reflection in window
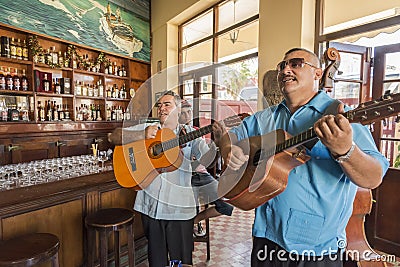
{"type": "Point", "coordinates": [350, 66]}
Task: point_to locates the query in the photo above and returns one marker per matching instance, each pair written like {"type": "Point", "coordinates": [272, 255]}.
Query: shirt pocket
{"type": "Point", "coordinates": [304, 228]}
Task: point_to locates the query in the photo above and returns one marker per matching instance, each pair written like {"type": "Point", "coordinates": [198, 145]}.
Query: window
{"type": "Point", "coordinates": [218, 52]}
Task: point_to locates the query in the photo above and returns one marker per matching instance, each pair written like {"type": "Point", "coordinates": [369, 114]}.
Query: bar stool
{"type": "Point", "coordinates": [29, 250]}
{"type": "Point", "coordinates": [104, 222]}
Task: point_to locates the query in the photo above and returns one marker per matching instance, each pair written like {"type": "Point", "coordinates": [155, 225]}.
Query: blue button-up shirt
{"type": "Point", "coordinates": [313, 211]}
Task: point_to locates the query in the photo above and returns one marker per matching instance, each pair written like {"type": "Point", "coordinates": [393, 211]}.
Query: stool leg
{"type": "Point", "coordinates": [54, 261]}
{"type": "Point", "coordinates": [103, 248]}
{"type": "Point", "coordinates": [131, 246]}
{"type": "Point", "coordinates": [116, 249]}
{"type": "Point", "coordinates": [91, 246]}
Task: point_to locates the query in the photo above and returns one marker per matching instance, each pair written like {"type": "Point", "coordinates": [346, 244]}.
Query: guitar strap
{"type": "Point", "coordinates": [330, 110]}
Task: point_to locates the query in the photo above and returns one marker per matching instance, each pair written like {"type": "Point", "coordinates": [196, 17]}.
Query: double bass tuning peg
{"type": "Point", "coordinates": [397, 120]}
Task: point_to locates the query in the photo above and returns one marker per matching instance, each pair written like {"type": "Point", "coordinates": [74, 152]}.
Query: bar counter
{"type": "Point", "coordinates": [60, 208]}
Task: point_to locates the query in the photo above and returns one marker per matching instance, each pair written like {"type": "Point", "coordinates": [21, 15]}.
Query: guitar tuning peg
{"type": "Point", "coordinates": [384, 122]}
{"type": "Point", "coordinates": [397, 120]}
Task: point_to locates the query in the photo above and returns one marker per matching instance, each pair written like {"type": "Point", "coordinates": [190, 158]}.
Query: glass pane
{"type": "Point", "coordinates": [188, 87]}
{"type": "Point", "coordinates": [197, 29]}
{"type": "Point", "coordinates": [236, 11]}
{"type": "Point", "coordinates": [347, 92]}
{"type": "Point", "coordinates": [232, 79]}
{"type": "Point", "coordinates": [391, 150]}
{"type": "Point", "coordinates": [239, 42]}
{"type": "Point", "coordinates": [206, 84]}
{"type": "Point", "coordinates": [350, 66]}
{"type": "Point", "coordinates": [392, 87]}
{"type": "Point", "coordinates": [197, 56]}
{"type": "Point", "coordinates": [392, 66]}
{"type": "Point", "coordinates": [357, 12]}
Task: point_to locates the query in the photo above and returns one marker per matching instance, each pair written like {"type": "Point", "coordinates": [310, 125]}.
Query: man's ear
{"type": "Point", "coordinates": [318, 73]}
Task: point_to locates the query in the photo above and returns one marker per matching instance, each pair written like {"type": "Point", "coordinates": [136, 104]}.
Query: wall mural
{"type": "Point", "coordinates": [118, 26]}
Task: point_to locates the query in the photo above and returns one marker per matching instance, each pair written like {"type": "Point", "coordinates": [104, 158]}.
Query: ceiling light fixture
{"type": "Point", "coordinates": [234, 34]}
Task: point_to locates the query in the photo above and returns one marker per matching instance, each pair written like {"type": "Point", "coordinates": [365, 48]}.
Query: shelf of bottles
{"type": "Point", "coordinates": [52, 86]}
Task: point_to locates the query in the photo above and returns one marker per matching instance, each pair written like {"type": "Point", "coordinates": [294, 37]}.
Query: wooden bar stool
{"type": "Point", "coordinates": [29, 250]}
{"type": "Point", "coordinates": [106, 221]}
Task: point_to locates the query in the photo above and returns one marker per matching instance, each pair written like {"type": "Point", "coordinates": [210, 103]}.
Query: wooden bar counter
{"type": "Point", "coordinates": [60, 208]}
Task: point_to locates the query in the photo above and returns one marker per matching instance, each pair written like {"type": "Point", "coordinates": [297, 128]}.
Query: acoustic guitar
{"type": "Point", "coordinates": [136, 164]}
{"type": "Point", "coordinates": [266, 173]}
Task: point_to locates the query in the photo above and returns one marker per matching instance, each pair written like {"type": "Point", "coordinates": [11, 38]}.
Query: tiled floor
{"type": "Point", "coordinates": [230, 242]}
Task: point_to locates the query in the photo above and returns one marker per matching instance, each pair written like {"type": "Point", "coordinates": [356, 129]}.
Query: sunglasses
{"type": "Point", "coordinates": [294, 63]}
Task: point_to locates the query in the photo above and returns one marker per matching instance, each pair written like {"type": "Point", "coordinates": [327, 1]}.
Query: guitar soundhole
{"type": "Point", "coordinates": [155, 150]}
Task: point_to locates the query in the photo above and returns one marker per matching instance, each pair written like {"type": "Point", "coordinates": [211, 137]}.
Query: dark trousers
{"type": "Point", "coordinates": [173, 238]}
{"type": "Point", "coordinates": [266, 253]}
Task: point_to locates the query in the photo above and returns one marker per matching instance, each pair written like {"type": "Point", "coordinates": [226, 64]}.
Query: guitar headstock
{"type": "Point", "coordinates": [387, 106]}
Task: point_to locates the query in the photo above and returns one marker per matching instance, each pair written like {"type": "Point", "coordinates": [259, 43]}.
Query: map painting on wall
{"type": "Point", "coordinates": [118, 26]}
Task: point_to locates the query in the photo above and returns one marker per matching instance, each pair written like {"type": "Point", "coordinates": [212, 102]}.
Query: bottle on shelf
{"type": "Point", "coordinates": [66, 113]}
{"type": "Point", "coordinates": [3, 110]}
{"type": "Point", "coordinates": [24, 81]}
{"type": "Point", "coordinates": [55, 112]}
{"type": "Point", "coordinates": [57, 86]}
{"type": "Point", "coordinates": [18, 48]}
{"type": "Point", "coordinates": [60, 112]}
{"type": "Point", "coordinates": [2, 79]}
{"type": "Point", "coordinates": [48, 58]}
{"type": "Point", "coordinates": [60, 59]}
{"type": "Point", "coordinates": [23, 112]}
{"type": "Point", "coordinates": [5, 47]}
{"type": "Point", "coordinates": [46, 83]}
{"type": "Point", "coordinates": [13, 48]}
{"type": "Point", "coordinates": [108, 113]}
{"type": "Point", "coordinates": [54, 55]}
{"type": "Point", "coordinates": [66, 60]}
{"type": "Point", "coordinates": [49, 111]}
{"type": "Point", "coordinates": [40, 115]}
{"type": "Point", "coordinates": [25, 55]}
{"type": "Point", "coordinates": [13, 113]}
{"type": "Point", "coordinates": [101, 89]}
{"type": "Point", "coordinates": [115, 69]}
{"type": "Point", "coordinates": [9, 80]}
{"type": "Point", "coordinates": [98, 113]}
{"type": "Point", "coordinates": [16, 80]}
{"type": "Point", "coordinates": [78, 88]}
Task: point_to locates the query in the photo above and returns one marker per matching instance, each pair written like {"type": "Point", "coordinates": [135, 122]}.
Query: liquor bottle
{"type": "Point", "coordinates": [16, 80]}
{"type": "Point", "coordinates": [54, 55]}
{"type": "Point", "coordinates": [115, 69]}
{"type": "Point", "coordinates": [101, 89]}
{"type": "Point", "coordinates": [60, 59]}
{"type": "Point", "coordinates": [49, 111]}
{"type": "Point", "coordinates": [90, 90]}
{"type": "Point", "coordinates": [24, 81]}
{"type": "Point", "coordinates": [48, 58]}
{"type": "Point", "coordinates": [18, 47]}
{"type": "Point", "coordinates": [123, 71]}
{"type": "Point", "coordinates": [13, 113]}
{"type": "Point", "coordinates": [66, 60]}
{"type": "Point", "coordinates": [85, 89]}
{"type": "Point", "coordinates": [3, 110]}
{"type": "Point", "coordinates": [110, 69]}
{"type": "Point", "coordinates": [41, 58]}
{"type": "Point", "coordinates": [46, 83]}
{"type": "Point", "coordinates": [108, 113]}
{"type": "Point", "coordinates": [55, 111]}
{"type": "Point", "coordinates": [23, 112]}
{"type": "Point", "coordinates": [13, 48]}
{"type": "Point", "coordinates": [25, 55]}
{"type": "Point", "coordinates": [5, 47]}
{"type": "Point", "coordinates": [2, 79]}
{"type": "Point", "coordinates": [78, 88]}
{"type": "Point", "coordinates": [57, 86]}
{"type": "Point", "coordinates": [96, 90]}
{"type": "Point", "coordinates": [40, 115]}
{"type": "Point", "coordinates": [9, 80]}
{"type": "Point", "coordinates": [98, 113]}
{"type": "Point", "coordinates": [66, 113]}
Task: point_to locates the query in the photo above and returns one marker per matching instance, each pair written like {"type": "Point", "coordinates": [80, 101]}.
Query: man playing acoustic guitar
{"type": "Point", "coordinates": [305, 224]}
{"type": "Point", "coordinates": [167, 204]}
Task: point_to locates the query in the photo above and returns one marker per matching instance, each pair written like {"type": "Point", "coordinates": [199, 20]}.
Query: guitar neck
{"type": "Point", "coordinates": [183, 139]}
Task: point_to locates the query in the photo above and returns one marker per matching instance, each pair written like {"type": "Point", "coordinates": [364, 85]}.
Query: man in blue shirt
{"type": "Point", "coordinates": [305, 225]}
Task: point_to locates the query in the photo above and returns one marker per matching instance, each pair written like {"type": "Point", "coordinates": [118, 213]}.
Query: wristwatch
{"type": "Point", "coordinates": [346, 156]}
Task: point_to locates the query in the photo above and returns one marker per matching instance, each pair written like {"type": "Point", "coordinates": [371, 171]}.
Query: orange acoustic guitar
{"type": "Point", "coordinates": [267, 170]}
{"type": "Point", "coordinates": [136, 164]}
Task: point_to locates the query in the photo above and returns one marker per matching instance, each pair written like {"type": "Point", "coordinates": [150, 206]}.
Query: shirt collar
{"type": "Point", "coordinates": [319, 103]}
